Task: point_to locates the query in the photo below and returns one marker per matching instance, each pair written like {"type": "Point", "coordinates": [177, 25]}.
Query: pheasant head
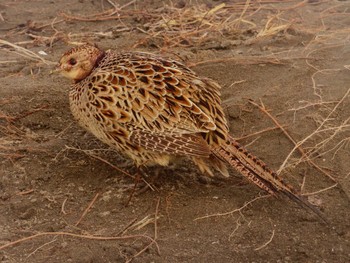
{"type": "Point", "coordinates": [77, 63]}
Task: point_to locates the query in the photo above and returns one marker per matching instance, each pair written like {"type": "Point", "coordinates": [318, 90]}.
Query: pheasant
{"type": "Point", "coordinates": [153, 109]}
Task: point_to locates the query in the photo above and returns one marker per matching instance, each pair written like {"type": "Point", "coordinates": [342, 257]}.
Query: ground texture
{"type": "Point", "coordinates": [281, 65]}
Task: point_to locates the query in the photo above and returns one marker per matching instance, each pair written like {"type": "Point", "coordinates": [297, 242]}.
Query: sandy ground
{"type": "Point", "coordinates": [291, 57]}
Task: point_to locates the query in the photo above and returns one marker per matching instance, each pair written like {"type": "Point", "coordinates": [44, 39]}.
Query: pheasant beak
{"type": "Point", "coordinates": [56, 70]}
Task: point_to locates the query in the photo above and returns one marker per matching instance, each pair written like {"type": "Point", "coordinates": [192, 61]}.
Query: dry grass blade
{"type": "Point", "coordinates": [143, 222]}
{"type": "Point", "coordinates": [271, 28]}
{"type": "Point", "coordinates": [25, 53]}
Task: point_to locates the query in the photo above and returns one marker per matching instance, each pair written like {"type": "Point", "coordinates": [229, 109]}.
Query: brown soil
{"type": "Point", "coordinates": [294, 57]}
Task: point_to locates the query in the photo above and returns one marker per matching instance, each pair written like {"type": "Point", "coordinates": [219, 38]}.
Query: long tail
{"type": "Point", "coordinates": [256, 171]}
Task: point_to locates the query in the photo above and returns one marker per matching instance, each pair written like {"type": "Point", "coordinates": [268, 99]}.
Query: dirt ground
{"type": "Point", "coordinates": [63, 193]}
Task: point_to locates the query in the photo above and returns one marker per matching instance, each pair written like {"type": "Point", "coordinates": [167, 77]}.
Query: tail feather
{"type": "Point", "coordinates": [256, 171]}
{"type": "Point", "coordinates": [300, 200]}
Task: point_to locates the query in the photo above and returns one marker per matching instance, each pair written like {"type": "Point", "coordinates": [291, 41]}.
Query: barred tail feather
{"type": "Point", "coordinates": [256, 171]}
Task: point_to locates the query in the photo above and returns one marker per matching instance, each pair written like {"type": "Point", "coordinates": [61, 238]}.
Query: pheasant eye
{"type": "Point", "coordinates": [72, 61]}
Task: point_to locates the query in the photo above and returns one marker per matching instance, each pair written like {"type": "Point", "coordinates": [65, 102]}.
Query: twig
{"type": "Point", "coordinates": [55, 21]}
{"type": "Point", "coordinates": [141, 251]}
{"type": "Point", "coordinates": [127, 4]}
{"type": "Point", "coordinates": [156, 220]}
{"type": "Point", "coordinates": [63, 205]}
{"type": "Point", "coordinates": [233, 211]}
{"type": "Point", "coordinates": [122, 231]}
{"type": "Point", "coordinates": [239, 60]}
{"type": "Point", "coordinates": [238, 224]}
{"type": "Point", "coordinates": [257, 133]}
{"type": "Point", "coordinates": [25, 192]}
{"type": "Point", "coordinates": [297, 145]}
{"type": "Point", "coordinates": [320, 191]}
{"type": "Point", "coordinates": [40, 247]}
{"type": "Point", "coordinates": [268, 242]}
{"type": "Point", "coordinates": [30, 112]}
{"type": "Point", "coordinates": [87, 209]}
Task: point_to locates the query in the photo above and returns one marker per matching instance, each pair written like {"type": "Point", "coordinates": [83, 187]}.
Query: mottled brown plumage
{"type": "Point", "coordinates": [152, 109]}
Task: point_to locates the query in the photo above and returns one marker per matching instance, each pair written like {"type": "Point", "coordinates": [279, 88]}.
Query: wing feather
{"type": "Point", "coordinates": [158, 102]}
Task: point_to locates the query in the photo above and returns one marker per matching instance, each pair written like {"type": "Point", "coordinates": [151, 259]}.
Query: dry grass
{"type": "Point", "coordinates": [172, 25]}
{"type": "Point", "coordinates": [134, 225]}
{"type": "Point", "coordinates": [20, 51]}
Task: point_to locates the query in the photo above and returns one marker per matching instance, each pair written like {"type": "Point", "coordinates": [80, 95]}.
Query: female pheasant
{"type": "Point", "coordinates": [153, 109]}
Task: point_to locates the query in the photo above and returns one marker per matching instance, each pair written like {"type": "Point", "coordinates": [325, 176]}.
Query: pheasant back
{"type": "Point", "coordinates": [151, 109]}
